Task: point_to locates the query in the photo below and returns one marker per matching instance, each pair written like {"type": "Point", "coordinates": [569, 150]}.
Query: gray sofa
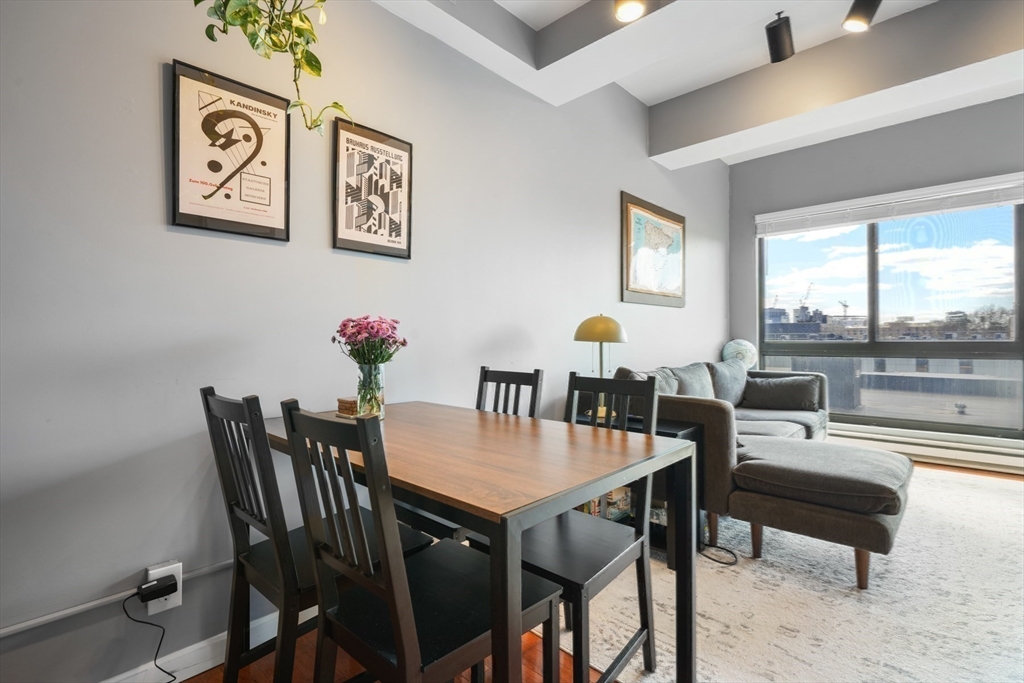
{"type": "Point", "coordinates": [711, 394]}
{"type": "Point", "coordinates": [765, 460]}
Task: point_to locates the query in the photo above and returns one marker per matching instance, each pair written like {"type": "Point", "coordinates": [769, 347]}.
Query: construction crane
{"type": "Point", "coordinates": [776, 302]}
{"type": "Point", "coordinates": [806, 295]}
{"type": "Point", "coordinates": [845, 306]}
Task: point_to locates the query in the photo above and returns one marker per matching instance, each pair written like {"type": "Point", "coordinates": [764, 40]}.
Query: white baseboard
{"type": "Point", "coordinates": [204, 655]}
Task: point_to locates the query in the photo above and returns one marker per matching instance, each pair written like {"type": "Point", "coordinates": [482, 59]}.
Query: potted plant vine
{"type": "Point", "coordinates": [277, 26]}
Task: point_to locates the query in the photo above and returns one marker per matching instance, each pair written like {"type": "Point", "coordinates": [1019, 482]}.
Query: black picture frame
{"type": "Point", "coordinates": [638, 295]}
{"type": "Point", "coordinates": [351, 214]}
{"type": "Point", "coordinates": [250, 184]}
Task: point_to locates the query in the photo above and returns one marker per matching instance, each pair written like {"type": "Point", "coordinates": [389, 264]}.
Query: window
{"type": "Point", "coordinates": [816, 286]}
{"type": "Point", "coordinates": [914, 317]}
{"type": "Point", "coordinates": [947, 277]}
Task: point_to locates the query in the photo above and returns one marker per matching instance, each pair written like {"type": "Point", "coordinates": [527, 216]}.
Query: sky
{"type": "Point", "coordinates": [928, 265]}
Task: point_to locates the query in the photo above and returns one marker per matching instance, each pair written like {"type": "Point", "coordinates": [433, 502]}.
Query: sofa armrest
{"type": "Point", "coordinates": [719, 452]}
{"type": "Point", "coordinates": [822, 382]}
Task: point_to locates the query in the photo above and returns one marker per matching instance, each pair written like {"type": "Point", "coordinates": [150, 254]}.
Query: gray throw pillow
{"type": "Point", "coordinates": [694, 380]}
{"type": "Point", "coordinates": [781, 393]}
{"type": "Point", "coordinates": [664, 381]}
{"type": "Point", "coordinates": [728, 377]}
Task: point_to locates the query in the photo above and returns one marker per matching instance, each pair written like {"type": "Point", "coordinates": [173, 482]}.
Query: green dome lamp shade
{"type": "Point", "coordinates": [602, 330]}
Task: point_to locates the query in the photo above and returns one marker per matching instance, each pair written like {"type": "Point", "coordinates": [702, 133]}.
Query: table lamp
{"type": "Point", "coordinates": [602, 330]}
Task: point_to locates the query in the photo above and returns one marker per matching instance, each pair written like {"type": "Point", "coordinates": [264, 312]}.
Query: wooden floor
{"type": "Point", "coordinates": [262, 671]}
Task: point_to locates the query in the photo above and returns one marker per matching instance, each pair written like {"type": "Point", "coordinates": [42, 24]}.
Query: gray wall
{"type": "Point", "coordinates": [112, 320]}
{"type": "Point", "coordinates": [984, 140]}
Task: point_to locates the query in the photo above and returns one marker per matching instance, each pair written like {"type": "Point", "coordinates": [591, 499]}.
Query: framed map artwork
{"type": "Point", "coordinates": [653, 254]}
{"type": "Point", "coordinates": [230, 155]}
{"type": "Point", "coordinates": [373, 191]}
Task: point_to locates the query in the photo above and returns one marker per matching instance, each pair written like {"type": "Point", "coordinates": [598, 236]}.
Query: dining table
{"type": "Point", "coordinates": [499, 475]}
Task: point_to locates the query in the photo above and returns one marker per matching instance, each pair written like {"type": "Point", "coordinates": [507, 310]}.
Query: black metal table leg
{"type": "Point", "coordinates": [682, 493]}
{"type": "Point", "coordinates": [507, 603]}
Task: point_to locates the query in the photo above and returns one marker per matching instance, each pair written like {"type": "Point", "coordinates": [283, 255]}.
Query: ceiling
{"type": "Point", "coordinates": [715, 56]}
{"type": "Point", "coordinates": [539, 13]}
{"type": "Point", "coordinates": [702, 58]}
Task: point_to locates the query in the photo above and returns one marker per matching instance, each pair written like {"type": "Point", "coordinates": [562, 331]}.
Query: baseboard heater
{"type": "Point", "coordinates": [960, 450]}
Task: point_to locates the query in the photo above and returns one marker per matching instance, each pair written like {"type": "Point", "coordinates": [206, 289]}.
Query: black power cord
{"type": "Point", "coordinates": [163, 632]}
{"type": "Point", "coordinates": [730, 553]}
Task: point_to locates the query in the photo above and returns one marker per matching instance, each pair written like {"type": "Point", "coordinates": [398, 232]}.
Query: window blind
{"type": "Point", "coordinates": [973, 194]}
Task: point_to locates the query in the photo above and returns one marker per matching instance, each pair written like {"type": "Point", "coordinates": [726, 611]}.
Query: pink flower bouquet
{"type": "Point", "coordinates": [369, 341]}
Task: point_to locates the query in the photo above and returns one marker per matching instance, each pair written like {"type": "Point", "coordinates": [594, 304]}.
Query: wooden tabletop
{"type": "Point", "coordinates": [490, 464]}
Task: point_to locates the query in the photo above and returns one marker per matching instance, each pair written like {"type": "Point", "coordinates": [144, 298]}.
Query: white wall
{"type": "Point", "coordinates": [976, 142]}
{"type": "Point", "coordinates": [112, 320]}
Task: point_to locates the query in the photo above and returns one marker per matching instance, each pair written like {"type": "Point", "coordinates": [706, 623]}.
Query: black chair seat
{"type": "Point", "coordinates": [261, 555]}
{"type": "Point", "coordinates": [573, 548]}
{"type": "Point", "coordinates": [450, 587]}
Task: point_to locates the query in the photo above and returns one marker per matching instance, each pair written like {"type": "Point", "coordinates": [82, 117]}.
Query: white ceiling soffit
{"type": "Point", "coordinates": [992, 79]}
{"type": "Point", "coordinates": [582, 51]}
{"type": "Point", "coordinates": [539, 13]}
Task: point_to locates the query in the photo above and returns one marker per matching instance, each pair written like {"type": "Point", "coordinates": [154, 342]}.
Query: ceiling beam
{"type": "Point", "coordinates": [944, 56]}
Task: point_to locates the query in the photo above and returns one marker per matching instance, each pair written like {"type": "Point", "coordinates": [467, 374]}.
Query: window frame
{"type": "Point", "coordinates": [873, 347]}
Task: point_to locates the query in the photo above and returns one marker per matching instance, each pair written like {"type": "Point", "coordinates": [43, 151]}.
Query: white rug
{"type": "Point", "coordinates": [947, 604]}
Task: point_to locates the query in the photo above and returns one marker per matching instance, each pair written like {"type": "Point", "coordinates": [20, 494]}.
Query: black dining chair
{"type": "Point", "coordinates": [279, 567]}
{"type": "Point", "coordinates": [425, 618]}
{"type": "Point", "coordinates": [583, 553]}
{"type": "Point", "coordinates": [508, 384]}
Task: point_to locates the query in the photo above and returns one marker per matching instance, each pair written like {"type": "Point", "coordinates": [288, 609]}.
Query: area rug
{"type": "Point", "coordinates": [947, 604]}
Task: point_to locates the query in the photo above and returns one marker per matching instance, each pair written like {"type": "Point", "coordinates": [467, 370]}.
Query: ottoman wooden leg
{"type": "Point", "coordinates": [755, 539]}
{"type": "Point", "coordinates": [712, 528]}
{"type": "Point", "coordinates": [863, 559]}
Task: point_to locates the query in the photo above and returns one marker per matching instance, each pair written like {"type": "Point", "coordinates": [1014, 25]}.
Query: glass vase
{"type": "Point", "coordinates": [370, 391]}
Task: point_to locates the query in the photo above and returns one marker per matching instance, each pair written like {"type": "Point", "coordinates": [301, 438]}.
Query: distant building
{"type": "Point", "coordinates": [776, 315]}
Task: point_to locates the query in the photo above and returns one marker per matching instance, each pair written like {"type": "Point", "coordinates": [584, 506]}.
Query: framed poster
{"type": "Point", "coordinates": [372, 191]}
{"type": "Point", "coordinates": [231, 162]}
{"type": "Point", "coordinates": [653, 254]}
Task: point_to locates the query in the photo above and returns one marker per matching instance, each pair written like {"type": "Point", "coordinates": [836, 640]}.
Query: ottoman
{"type": "Point", "coordinates": [850, 495]}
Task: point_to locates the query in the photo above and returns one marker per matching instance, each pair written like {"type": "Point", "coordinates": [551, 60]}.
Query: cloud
{"type": "Point", "coordinates": [979, 271]}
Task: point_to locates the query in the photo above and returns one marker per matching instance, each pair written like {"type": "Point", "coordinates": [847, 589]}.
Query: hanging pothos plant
{"type": "Point", "coordinates": [277, 26]}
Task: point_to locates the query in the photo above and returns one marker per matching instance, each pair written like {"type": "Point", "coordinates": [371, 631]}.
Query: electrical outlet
{"type": "Point", "coordinates": [169, 568]}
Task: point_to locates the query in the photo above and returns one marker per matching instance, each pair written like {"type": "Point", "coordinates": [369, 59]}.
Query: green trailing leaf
{"type": "Point", "coordinates": [277, 26]}
{"type": "Point", "coordinates": [310, 63]}
{"type": "Point", "coordinates": [335, 105]}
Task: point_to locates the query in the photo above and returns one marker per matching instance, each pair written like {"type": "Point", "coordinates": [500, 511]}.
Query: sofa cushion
{"type": "Point", "coordinates": [785, 430]}
{"type": "Point", "coordinates": [781, 393]}
{"type": "Point", "coordinates": [694, 380]}
{"type": "Point", "coordinates": [854, 478]}
{"type": "Point", "coordinates": [728, 377]}
{"type": "Point", "coordinates": [664, 381]}
{"type": "Point", "coordinates": [815, 424]}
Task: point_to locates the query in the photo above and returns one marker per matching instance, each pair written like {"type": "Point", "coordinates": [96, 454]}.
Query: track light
{"type": "Point", "coordinates": [860, 15]}
{"type": "Point", "coordinates": [780, 38]}
{"type": "Point", "coordinates": [629, 10]}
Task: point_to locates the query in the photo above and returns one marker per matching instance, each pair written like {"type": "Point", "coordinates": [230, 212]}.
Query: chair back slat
{"type": "Point", "coordinates": [508, 390]}
{"type": "Point", "coordinates": [248, 480]}
{"type": "Point", "coordinates": [340, 537]}
{"type": "Point", "coordinates": [359, 537]}
{"type": "Point", "coordinates": [312, 438]}
{"type": "Point", "coordinates": [616, 396]}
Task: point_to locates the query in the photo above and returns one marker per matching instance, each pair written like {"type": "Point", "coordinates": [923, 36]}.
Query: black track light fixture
{"type": "Point", "coordinates": [860, 15]}
{"type": "Point", "coordinates": [780, 38]}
